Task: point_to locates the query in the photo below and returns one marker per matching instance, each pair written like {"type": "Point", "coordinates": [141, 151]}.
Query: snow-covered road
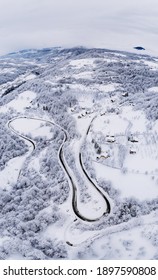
{"type": "Point", "coordinates": [75, 189]}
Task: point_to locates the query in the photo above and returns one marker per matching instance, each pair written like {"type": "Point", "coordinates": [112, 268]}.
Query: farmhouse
{"type": "Point", "coordinates": [132, 151]}
{"type": "Point", "coordinates": [132, 139]}
{"type": "Point", "coordinates": [103, 157]}
{"type": "Point", "coordinates": [110, 138]}
{"type": "Point", "coordinates": [125, 94]}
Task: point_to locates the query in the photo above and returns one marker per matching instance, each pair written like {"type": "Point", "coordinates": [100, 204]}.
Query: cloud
{"type": "Point", "coordinates": [97, 23]}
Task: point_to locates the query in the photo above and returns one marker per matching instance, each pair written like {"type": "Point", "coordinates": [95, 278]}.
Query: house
{"type": "Point", "coordinates": [102, 114]}
{"type": "Point", "coordinates": [110, 138]}
{"type": "Point", "coordinates": [103, 157]}
{"type": "Point", "coordinates": [125, 94]}
{"type": "Point", "coordinates": [132, 139]}
{"type": "Point", "coordinates": [132, 151]}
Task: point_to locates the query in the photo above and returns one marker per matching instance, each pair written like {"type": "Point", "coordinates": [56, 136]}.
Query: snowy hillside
{"type": "Point", "coordinates": [79, 155]}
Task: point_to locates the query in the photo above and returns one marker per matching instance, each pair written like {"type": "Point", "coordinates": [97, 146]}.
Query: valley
{"type": "Point", "coordinates": [79, 154]}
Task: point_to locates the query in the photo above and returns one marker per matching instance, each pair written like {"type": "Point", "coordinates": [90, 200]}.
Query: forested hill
{"type": "Point", "coordinates": [78, 154]}
{"type": "Point", "coordinates": [133, 72]}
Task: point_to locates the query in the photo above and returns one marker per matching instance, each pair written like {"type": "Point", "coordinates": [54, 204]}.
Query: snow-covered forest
{"type": "Point", "coordinates": [79, 154]}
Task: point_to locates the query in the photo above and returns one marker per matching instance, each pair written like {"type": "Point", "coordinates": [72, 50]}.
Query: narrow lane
{"type": "Point", "coordinates": [95, 186]}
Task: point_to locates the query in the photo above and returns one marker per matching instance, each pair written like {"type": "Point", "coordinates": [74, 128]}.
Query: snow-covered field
{"type": "Point", "coordinates": [80, 180]}
{"type": "Point", "coordinates": [137, 173]}
{"type": "Point", "coordinates": [20, 103]}
{"type": "Point", "coordinates": [32, 127]}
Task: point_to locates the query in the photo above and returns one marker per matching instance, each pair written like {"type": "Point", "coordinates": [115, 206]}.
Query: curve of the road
{"type": "Point", "coordinates": [65, 168]}
{"type": "Point", "coordinates": [94, 185]}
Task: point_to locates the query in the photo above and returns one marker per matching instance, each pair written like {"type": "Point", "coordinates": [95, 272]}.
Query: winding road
{"type": "Point", "coordinates": [65, 168]}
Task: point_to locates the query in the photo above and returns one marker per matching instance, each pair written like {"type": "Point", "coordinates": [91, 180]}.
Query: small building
{"type": "Point", "coordinates": [125, 94]}
{"type": "Point", "coordinates": [110, 138]}
{"type": "Point", "coordinates": [132, 151]}
{"type": "Point", "coordinates": [133, 139]}
{"type": "Point", "coordinates": [103, 156]}
{"type": "Point", "coordinates": [102, 113]}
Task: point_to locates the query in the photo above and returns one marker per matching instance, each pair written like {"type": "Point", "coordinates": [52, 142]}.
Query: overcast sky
{"type": "Point", "coordinates": [116, 24]}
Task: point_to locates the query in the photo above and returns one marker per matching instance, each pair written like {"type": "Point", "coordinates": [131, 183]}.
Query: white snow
{"type": "Point", "coordinates": [109, 60]}
{"type": "Point", "coordinates": [83, 75]}
{"type": "Point", "coordinates": [30, 77]}
{"type": "Point", "coordinates": [110, 124]}
{"type": "Point", "coordinates": [34, 163]}
{"type": "Point", "coordinates": [32, 127]}
{"type": "Point", "coordinates": [78, 87]}
{"type": "Point", "coordinates": [78, 63]}
{"type": "Point", "coordinates": [107, 88]}
{"type": "Point", "coordinates": [138, 177]}
{"type": "Point", "coordinates": [3, 239]}
{"type": "Point", "coordinates": [140, 186]}
{"type": "Point", "coordinates": [131, 240]}
{"type": "Point", "coordinates": [141, 177]}
{"type": "Point", "coordinates": [137, 119]}
{"type": "Point", "coordinates": [94, 206]}
{"type": "Point", "coordinates": [7, 70]}
{"type": "Point", "coordinates": [9, 175]}
{"type": "Point", "coordinates": [127, 244]}
{"type": "Point", "coordinates": [141, 164]}
{"type": "Point", "coordinates": [19, 103]}
{"type": "Point", "coordinates": [16, 256]}
{"type": "Point", "coordinates": [152, 65]}
{"type": "Point", "coordinates": [153, 89]}
{"type": "Point", "coordinates": [119, 55]}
